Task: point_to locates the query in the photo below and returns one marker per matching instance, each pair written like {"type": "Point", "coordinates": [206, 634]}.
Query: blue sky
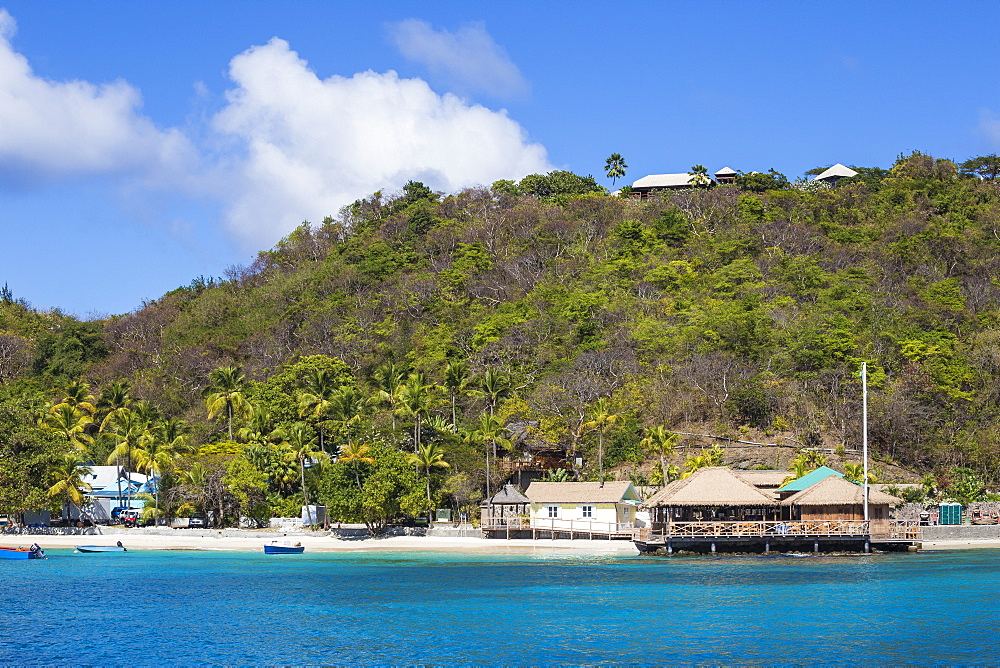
{"type": "Point", "coordinates": [145, 144]}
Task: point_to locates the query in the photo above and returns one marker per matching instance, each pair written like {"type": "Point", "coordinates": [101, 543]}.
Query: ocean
{"type": "Point", "coordinates": [197, 607]}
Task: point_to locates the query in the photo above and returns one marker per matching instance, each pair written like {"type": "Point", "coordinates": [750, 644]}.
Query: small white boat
{"type": "Point", "coordinates": [284, 547]}
{"type": "Point", "coordinates": [102, 548]}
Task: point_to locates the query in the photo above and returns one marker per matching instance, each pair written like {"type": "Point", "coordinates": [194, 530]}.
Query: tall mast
{"type": "Point", "coordinates": [864, 430]}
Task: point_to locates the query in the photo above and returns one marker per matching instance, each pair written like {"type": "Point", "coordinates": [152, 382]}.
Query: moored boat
{"type": "Point", "coordinates": [284, 547]}
{"type": "Point", "coordinates": [33, 552]}
{"type": "Point", "coordinates": [100, 548]}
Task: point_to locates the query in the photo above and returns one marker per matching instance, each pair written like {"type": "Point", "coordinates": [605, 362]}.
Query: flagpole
{"type": "Point", "coordinates": [864, 430]}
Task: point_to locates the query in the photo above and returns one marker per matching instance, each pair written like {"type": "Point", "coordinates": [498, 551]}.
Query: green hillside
{"type": "Point", "coordinates": [552, 321]}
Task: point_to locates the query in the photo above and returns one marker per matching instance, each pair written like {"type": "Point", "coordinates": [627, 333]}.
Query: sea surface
{"type": "Point", "coordinates": [196, 607]}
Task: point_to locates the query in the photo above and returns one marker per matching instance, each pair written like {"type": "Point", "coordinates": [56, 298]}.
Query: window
{"type": "Point", "coordinates": [553, 511]}
{"type": "Point", "coordinates": [587, 512]}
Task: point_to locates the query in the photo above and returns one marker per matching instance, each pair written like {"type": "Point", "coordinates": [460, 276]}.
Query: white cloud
{"type": "Point", "coordinates": [468, 58]}
{"type": "Point", "coordinates": [313, 145]}
{"type": "Point", "coordinates": [50, 128]}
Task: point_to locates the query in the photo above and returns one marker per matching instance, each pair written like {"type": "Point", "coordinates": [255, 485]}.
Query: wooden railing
{"type": "Point", "coordinates": [553, 524]}
{"type": "Point", "coordinates": [891, 529]}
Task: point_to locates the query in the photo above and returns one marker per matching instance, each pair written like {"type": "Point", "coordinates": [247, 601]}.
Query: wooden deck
{"type": "Point", "coordinates": [556, 528]}
{"type": "Point", "coordinates": [762, 535]}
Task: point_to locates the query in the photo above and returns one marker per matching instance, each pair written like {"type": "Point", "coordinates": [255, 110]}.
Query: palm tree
{"type": "Point", "coordinates": [131, 432]}
{"type": "Point", "coordinates": [663, 444]}
{"type": "Point", "coordinates": [114, 395]}
{"type": "Point", "coordinates": [615, 167]}
{"type": "Point", "coordinates": [356, 454]}
{"type": "Point", "coordinates": [69, 422]}
{"type": "Point", "coordinates": [165, 441]}
{"type": "Point", "coordinates": [601, 417]}
{"type": "Point", "coordinates": [456, 380]}
{"type": "Point", "coordinates": [694, 463]}
{"type": "Point", "coordinates": [430, 456]}
{"type": "Point", "coordinates": [226, 392]}
{"type": "Point", "coordinates": [302, 441]}
{"type": "Point", "coordinates": [699, 176]}
{"type": "Point", "coordinates": [67, 481]}
{"type": "Point", "coordinates": [318, 389]}
{"type": "Point", "coordinates": [494, 386]}
{"type": "Point", "coordinates": [556, 475]}
{"type": "Point", "coordinates": [346, 407]}
{"type": "Point", "coordinates": [490, 429]}
{"type": "Point", "coordinates": [388, 379]}
{"type": "Point", "coordinates": [77, 394]}
{"type": "Point", "coordinates": [417, 398]}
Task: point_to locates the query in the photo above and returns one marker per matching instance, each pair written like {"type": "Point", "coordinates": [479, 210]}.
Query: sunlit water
{"type": "Point", "coordinates": [147, 607]}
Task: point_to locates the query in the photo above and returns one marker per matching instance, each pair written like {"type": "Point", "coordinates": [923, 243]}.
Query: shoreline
{"type": "Point", "coordinates": [249, 541]}
{"type": "Point", "coordinates": [237, 540]}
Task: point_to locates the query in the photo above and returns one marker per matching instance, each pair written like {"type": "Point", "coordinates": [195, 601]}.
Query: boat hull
{"type": "Point", "coordinates": [283, 549]}
{"type": "Point", "coordinates": [18, 553]}
{"type": "Point", "coordinates": [99, 548]}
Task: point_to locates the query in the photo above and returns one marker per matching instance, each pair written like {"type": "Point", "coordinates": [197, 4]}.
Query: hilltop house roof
{"type": "Point", "coordinates": [726, 171]}
{"type": "Point", "coordinates": [838, 171]}
{"type": "Point", "coordinates": [664, 181]}
{"type": "Point", "coordinates": [809, 479]}
{"type": "Point", "coordinates": [582, 492]}
{"type": "Point", "coordinates": [835, 491]}
{"type": "Point", "coordinates": [712, 486]}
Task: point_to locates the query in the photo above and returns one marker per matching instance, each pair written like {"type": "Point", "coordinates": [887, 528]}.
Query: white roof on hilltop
{"type": "Point", "coordinates": [726, 171]}
{"type": "Point", "coordinates": [838, 171]}
{"type": "Point", "coordinates": [664, 181]}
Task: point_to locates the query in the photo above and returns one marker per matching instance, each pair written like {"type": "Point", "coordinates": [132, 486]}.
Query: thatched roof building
{"type": "Point", "coordinates": [712, 486]}
{"type": "Point", "coordinates": [834, 491]}
{"type": "Point", "coordinates": [766, 480]}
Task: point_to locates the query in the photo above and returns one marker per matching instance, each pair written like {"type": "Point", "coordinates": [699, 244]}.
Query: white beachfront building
{"type": "Point", "coordinates": [586, 507]}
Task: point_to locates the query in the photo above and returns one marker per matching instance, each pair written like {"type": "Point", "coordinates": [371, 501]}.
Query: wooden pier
{"type": "Point", "coordinates": [778, 536]}
{"type": "Point", "coordinates": [542, 528]}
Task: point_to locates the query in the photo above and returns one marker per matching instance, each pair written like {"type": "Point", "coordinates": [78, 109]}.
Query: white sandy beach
{"type": "Point", "coordinates": [250, 541]}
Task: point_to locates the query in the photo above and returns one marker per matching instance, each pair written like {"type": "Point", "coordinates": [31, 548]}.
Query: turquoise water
{"type": "Point", "coordinates": [184, 607]}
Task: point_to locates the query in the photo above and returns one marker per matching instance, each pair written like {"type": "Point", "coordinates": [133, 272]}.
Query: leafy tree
{"type": "Point", "coordinates": [986, 167]}
{"type": "Point", "coordinates": [226, 393]}
{"type": "Point", "coordinates": [699, 176]}
{"type": "Point", "coordinates": [68, 485]}
{"type": "Point", "coordinates": [390, 487]}
{"type": "Point", "coordinates": [662, 444]}
{"type": "Point", "coordinates": [757, 182]}
{"type": "Point", "coordinates": [615, 167]}
{"type": "Point", "coordinates": [429, 456]}
{"type": "Point", "coordinates": [601, 416]}
{"type": "Point", "coordinates": [456, 380]}
{"type": "Point", "coordinates": [557, 183]}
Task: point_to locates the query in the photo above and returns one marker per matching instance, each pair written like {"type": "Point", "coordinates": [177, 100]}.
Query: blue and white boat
{"type": "Point", "coordinates": [284, 547]}
{"type": "Point", "coordinates": [101, 548]}
{"type": "Point", "coordinates": [33, 552]}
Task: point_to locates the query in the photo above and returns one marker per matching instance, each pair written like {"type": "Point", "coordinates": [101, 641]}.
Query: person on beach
{"type": "Point", "coordinates": [125, 549]}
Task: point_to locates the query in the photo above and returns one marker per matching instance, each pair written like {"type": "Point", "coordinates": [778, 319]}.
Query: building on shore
{"type": "Point", "coordinates": [718, 509]}
{"type": "Point", "coordinates": [564, 510]}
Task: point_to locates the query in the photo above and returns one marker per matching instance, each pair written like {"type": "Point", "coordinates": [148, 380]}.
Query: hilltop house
{"type": "Point", "coordinates": [835, 173]}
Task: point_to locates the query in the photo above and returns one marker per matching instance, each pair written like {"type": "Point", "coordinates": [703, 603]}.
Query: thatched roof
{"type": "Point", "coordinates": [835, 491]}
{"type": "Point", "coordinates": [509, 495]}
{"type": "Point", "coordinates": [581, 492]}
{"type": "Point", "coordinates": [713, 486]}
{"type": "Point", "coordinates": [765, 479]}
